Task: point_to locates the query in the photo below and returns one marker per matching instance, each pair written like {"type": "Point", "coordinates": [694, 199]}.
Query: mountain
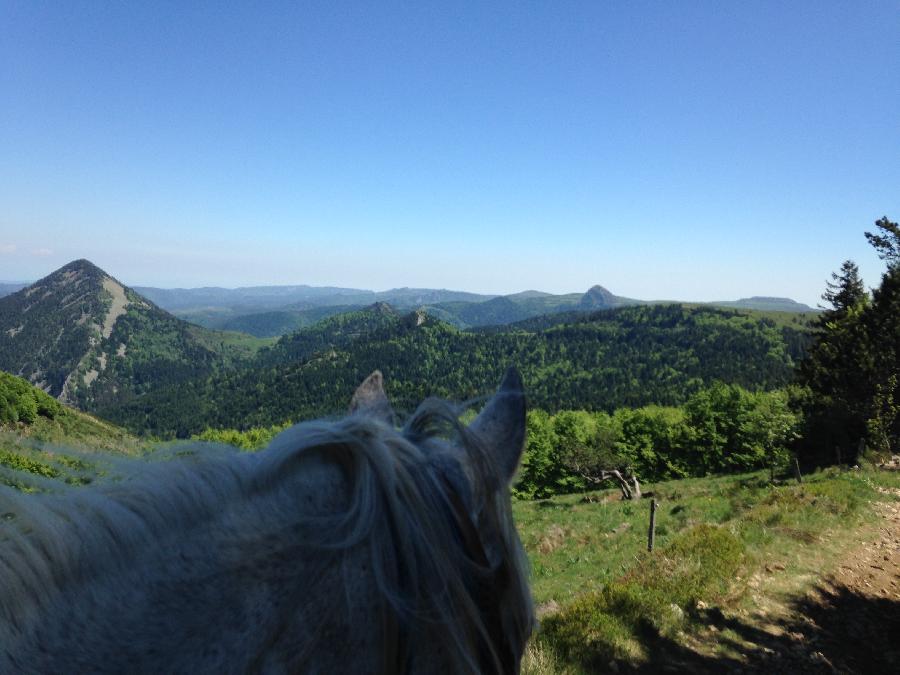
{"type": "Point", "coordinates": [496, 311]}
{"type": "Point", "coordinates": [508, 309]}
{"type": "Point", "coordinates": [333, 333]}
{"type": "Point", "coordinates": [88, 340]}
{"type": "Point", "coordinates": [279, 322]}
{"type": "Point", "coordinates": [628, 356]}
{"type": "Point", "coordinates": [404, 298]}
{"type": "Point", "coordinates": [527, 295]}
{"type": "Point", "coordinates": [270, 311]}
{"type": "Point", "coordinates": [256, 298]}
{"type": "Point", "coordinates": [598, 297]}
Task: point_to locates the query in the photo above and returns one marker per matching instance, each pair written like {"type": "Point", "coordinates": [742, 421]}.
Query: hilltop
{"type": "Point", "coordinates": [766, 304]}
{"type": "Point", "coordinates": [86, 339]}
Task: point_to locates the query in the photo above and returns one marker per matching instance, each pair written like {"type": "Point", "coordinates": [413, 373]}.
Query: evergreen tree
{"type": "Point", "coordinates": [883, 327]}
{"type": "Point", "coordinates": [852, 369]}
{"type": "Point", "coordinates": [887, 243]}
{"type": "Point", "coordinates": [844, 291]}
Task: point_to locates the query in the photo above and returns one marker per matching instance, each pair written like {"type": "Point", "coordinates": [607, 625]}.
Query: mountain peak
{"type": "Point", "coordinates": [77, 332]}
{"type": "Point", "coordinates": [597, 297]}
{"type": "Point", "coordinates": [767, 303]}
{"type": "Point", "coordinates": [80, 266]}
{"type": "Point", "coordinates": [80, 263]}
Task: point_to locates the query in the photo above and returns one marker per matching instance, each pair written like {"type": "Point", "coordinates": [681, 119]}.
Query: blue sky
{"type": "Point", "coordinates": [685, 150]}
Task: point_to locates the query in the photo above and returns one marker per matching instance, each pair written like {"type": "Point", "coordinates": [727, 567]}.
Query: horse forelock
{"type": "Point", "coordinates": [353, 483]}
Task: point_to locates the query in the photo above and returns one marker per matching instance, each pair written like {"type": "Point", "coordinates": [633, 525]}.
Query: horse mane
{"type": "Point", "coordinates": [395, 499]}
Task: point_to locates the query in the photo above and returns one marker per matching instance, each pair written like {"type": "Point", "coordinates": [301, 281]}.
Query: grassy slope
{"type": "Point", "coordinates": [60, 448]}
{"type": "Point", "coordinates": [53, 442]}
{"type": "Point", "coordinates": [732, 543]}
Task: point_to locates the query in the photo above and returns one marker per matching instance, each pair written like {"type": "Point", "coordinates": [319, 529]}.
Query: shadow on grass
{"type": "Point", "coordinates": [839, 631]}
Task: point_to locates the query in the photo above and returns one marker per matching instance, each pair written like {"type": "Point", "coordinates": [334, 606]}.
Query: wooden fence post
{"type": "Point", "coordinates": [837, 450]}
{"type": "Point", "coordinates": [651, 535]}
{"type": "Point", "coordinates": [797, 471]}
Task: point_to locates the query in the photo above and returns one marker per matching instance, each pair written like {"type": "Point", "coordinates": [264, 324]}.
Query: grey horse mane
{"type": "Point", "coordinates": [396, 503]}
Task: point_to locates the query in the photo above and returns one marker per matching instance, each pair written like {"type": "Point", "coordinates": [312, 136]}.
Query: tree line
{"type": "Point", "coordinates": [720, 429]}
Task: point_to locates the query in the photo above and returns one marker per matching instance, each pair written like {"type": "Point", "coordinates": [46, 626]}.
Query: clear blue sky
{"type": "Point", "coordinates": [689, 150]}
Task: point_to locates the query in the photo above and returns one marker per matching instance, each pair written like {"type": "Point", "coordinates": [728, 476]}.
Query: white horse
{"type": "Point", "coordinates": [344, 547]}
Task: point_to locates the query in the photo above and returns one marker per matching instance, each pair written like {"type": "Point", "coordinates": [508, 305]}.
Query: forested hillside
{"type": "Point", "coordinates": [88, 340]}
{"type": "Point", "coordinates": [92, 342]}
{"type": "Point", "coordinates": [627, 357]}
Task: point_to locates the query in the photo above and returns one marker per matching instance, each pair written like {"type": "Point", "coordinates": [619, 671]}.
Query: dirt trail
{"type": "Point", "coordinates": [874, 569]}
{"type": "Point", "coordinates": [849, 622]}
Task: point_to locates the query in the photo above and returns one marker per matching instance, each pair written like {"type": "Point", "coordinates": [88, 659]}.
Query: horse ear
{"type": "Point", "coordinates": [501, 425]}
{"type": "Point", "coordinates": [370, 399]}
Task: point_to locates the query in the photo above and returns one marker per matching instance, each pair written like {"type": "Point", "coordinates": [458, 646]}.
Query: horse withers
{"type": "Point", "coordinates": [343, 547]}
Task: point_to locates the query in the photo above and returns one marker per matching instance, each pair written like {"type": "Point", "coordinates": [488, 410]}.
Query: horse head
{"type": "Point", "coordinates": [474, 474]}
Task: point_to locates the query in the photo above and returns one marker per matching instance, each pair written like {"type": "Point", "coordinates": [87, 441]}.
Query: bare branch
{"type": "Point", "coordinates": [629, 491]}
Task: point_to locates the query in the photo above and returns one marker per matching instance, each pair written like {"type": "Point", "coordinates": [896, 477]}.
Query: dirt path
{"type": "Point", "coordinates": [848, 623]}
{"type": "Point", "coordinates": [874, 570]}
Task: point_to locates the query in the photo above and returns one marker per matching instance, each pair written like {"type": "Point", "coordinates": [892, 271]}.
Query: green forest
{"type": "Point", "coordinates": [601, 361]}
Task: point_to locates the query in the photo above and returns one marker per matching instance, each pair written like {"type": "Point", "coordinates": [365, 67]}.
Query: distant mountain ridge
{"type": "Point", "coordinates": [9, 287]}
{"type": "Point", "coordinates": [297, 297]}
{"type": "Point", "coordinates": [272, 311]}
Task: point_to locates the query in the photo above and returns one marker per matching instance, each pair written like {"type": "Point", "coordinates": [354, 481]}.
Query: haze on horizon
{"type": "Point", "coordinates": [692, 152]}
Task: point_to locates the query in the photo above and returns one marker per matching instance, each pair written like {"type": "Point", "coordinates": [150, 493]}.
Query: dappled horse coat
{"type": "Point", "coordinates": [347, 546]}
